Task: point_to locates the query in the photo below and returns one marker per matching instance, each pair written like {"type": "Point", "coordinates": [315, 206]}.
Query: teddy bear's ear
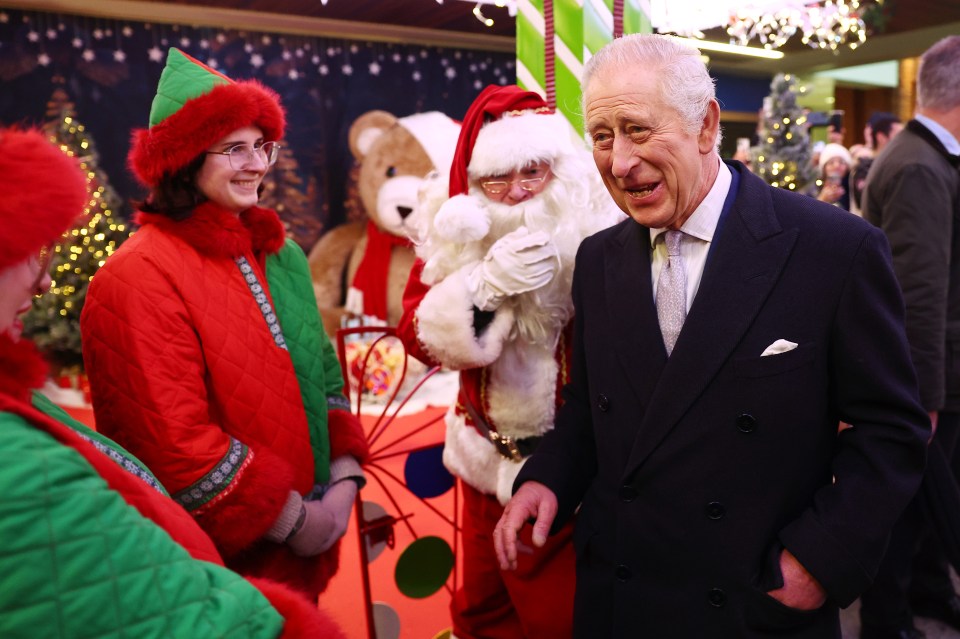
{"type": "Point", "coordinates": [366, 129]}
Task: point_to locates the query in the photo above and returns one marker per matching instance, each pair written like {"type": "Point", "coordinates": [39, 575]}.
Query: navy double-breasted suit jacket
{"type": "Point", "coordinates": [693, 472]}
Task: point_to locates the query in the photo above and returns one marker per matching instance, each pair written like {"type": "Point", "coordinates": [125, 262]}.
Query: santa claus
{"type": "Point", "coordinates": [490, 296]}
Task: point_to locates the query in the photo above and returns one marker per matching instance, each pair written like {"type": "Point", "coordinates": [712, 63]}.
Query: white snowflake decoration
{"type": "Point", "coordinates": [127, 31]}
{"type": "Point", "coordinates": [286, 55]}
{"type": "Point", "coordinates": [33, 36]}
{"type": "Point", "coordinates": [204, 44]}
{"type": "Point", "coordinates": [293, 75]}
{"type": "Point", "coordinates": [451, 73]}
{"type": "Point", "coordinates": [88, 55]}
{"type": "Point", "coordinates": [256, 60]}
{"type": "Point", "coordinates": [155, 53]}
{"type": "Point", "coordinates": [346, 69]}
{"type": "Point", "coordinates": [374, 68]}
{"type": "Point", "coordinates": [51, 34]}
{"type": "Point", "coordinates": [77, 43]}
{"type": "Point", "coordinates": [212, 63]}
{"type": "Point", "coordinates": [248, 48]}
{"type": "Point", "coordinates": [416, 76]}
{"type": "Point", "coordinates": [397, 57]}
{"type": "Point", "coordinates": [324, 69]}
{"type": "Point", "coordinates": [184, 41]}
{"type": "Point", "coordinates": [98, 34]}
{"type": "Point", "coordinates": [43, 59]}
{"type": "Point", "coordinates": [119, 55]}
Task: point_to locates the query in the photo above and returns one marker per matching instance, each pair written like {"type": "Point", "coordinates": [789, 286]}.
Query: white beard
{"type": "Point", "coordinates": [541, 314]}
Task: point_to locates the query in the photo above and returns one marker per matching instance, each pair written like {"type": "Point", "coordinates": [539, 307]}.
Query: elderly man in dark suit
{"type": "Point", "coordinates": [721, 336]}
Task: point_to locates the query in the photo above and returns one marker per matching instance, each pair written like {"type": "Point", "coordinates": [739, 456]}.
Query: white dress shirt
{"type": "Point", "coordinates": [698, 230]}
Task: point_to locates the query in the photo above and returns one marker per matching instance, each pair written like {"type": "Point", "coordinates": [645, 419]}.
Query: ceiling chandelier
{"type": "Point", "coordinates": [821, 24]}
{"type": "Point", "coordinates": [827, 25]}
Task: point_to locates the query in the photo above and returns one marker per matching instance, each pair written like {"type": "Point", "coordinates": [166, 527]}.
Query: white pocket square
{"type": "Point", "coordinates": [779, 346]}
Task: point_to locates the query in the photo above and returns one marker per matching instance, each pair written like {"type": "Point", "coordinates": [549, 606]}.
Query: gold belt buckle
{"type": "Point", "coordinates": [505, 446]}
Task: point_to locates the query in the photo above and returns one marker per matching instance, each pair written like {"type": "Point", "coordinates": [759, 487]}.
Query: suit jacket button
{"type": "Point", "coordinates": [716, 510]}
{"type": "Point", "coordinates": [717, 598]}
{"type": "Point", "coordinates": [628, 493]}
{"type": "Point", "coordinates": [623, 573]}
{"type": "Point", "coordinates": [603, 403]}
{"type": "Point", "coordinates": [746, 423]}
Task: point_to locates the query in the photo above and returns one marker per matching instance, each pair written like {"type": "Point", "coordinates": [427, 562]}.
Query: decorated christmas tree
{"type": "Point", "coordinates": [284, 192]}
{"type": "Point", "coordinates": [782, 156]}
{"type": "Point", "coordinates": [54, 322]}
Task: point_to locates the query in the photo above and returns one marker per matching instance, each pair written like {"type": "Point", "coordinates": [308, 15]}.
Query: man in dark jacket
{"type": "Point", "coordinates": [913, 195]}
{"type": "Point", "coordinates": [710, 371]}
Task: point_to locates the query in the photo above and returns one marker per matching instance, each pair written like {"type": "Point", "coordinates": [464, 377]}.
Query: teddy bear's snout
{"type": "Point", "coordinates": [404, 211]}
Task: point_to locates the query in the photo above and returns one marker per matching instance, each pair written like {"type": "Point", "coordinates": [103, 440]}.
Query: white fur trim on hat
{"type": "Point", "coordinates": [436, 133]}
{"type": "Point", "coordinates": [462, 218]}
{"type": "Point", "coordinates": [445, 326]}
{"type": "Point", "coordinates": [834, 150]}
{"type": "Point", "coordinates": [514, 141]}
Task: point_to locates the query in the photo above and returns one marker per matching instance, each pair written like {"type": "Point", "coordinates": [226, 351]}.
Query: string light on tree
{"type": "Point", "coordinates": [783, 157]}
{"type": "Point", "coordinates": [54, 321]}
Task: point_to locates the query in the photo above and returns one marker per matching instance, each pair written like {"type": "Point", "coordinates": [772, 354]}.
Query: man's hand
{"type": "Point", "coordinates": [800, 590]}
{"type": "Point", "coordinates": [533, 500]}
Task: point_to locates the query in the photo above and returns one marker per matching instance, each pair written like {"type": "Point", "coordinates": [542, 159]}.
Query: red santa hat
{"type": "Point", "coordinates": [506, 128]}
{"type": "Point", "coordinates": [196, 106]}
{"type": "Point", "coordinates": [44, 192]}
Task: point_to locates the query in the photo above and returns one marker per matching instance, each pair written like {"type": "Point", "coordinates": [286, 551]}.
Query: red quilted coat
{"type": "Point", "coordinates": [186, 374]}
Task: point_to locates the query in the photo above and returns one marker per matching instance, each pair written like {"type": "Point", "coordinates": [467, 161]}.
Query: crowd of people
{"type": "Point", "coordinates": [690, 404]}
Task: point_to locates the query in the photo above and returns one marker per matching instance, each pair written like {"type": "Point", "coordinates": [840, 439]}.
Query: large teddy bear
{"type": "Point", "coordinates": [361, 268]}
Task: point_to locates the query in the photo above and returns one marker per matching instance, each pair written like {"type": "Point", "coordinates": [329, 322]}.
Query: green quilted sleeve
{"type": "Point", "coordinates": [80, 562]}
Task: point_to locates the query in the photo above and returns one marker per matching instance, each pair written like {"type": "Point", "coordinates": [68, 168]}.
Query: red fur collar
{"type": "Point", "coordinates": [215, 231]}
{"type": "Point", "coordinates": [22, 369]}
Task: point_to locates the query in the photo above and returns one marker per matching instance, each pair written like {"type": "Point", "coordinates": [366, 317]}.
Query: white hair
{"type": "Point", "coordinates": [684, 81]}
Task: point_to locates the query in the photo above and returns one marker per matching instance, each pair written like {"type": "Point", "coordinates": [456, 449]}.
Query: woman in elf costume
{"type": "Point", "coordinates": [93, 546]}
{"type": "Point", "coordinates": [204, 347]}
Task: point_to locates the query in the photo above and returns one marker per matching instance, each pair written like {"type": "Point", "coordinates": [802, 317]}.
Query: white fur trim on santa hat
{"type": "Point", "coordinates": [475, 460]}
{"type": "Point", "coordinates": [436, 133]}
{"type": "Point", "coordinates": [445, 326]}
{"type": "Point", "coordinates": [514, 141]}
{"type": "Point", "coordinates": [462, 218]}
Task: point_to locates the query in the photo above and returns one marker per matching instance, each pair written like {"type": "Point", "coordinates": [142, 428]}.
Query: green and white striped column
{"type": "Point", "coordinates": [556, 37]}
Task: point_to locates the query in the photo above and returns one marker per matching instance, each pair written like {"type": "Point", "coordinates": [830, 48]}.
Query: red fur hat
{"type": "Point", "coordinates": [196, 106]}
{"type": "Point", "coordinates": [42, 193]}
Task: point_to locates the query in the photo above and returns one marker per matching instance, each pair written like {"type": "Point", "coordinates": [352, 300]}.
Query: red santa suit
{"type": "Point", "coordinates": [511, 345]}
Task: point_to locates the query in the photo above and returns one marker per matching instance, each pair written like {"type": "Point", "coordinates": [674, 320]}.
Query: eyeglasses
{"type": "Point", "coordinates": [44, 256]}
{"type": "Point", "coordinates": [532, 185]}
{"type": "Point", "coordinates": [241, 155]}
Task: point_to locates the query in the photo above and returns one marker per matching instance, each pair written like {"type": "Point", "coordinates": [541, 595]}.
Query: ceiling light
{"type": "Point", "coordinates": [731, 48]}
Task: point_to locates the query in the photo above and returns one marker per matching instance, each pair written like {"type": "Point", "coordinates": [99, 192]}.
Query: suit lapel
{"type": "Point", "coordinates": [747, 258]}
{"type": "Point", "coordinates": [633, 315]}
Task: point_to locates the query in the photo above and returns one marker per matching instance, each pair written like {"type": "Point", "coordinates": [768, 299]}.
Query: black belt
{"type": "Point", "coordinates": [508, 447]}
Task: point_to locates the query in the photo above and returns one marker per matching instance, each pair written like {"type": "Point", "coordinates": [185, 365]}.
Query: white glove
{"type": "Point", "coordinates": [326, 520]}
{"type": "Point", "coordinates": [518, 262]}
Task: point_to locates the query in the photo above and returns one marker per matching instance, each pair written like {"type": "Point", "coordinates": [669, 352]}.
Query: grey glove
{"type": "Point", "coordinates": [518, 262]}
{"type": "Point", "coordinates": [325, 521]}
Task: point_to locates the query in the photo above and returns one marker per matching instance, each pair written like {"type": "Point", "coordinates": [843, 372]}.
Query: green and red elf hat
{"type": "Point", "coordinates": [195, 107]}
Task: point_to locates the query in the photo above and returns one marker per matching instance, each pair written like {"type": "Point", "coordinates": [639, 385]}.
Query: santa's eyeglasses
{"type": "Point", "coordinates": [530, 184]}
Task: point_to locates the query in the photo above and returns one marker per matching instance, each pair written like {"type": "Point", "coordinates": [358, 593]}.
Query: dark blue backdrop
{"type": "Point", "coordinates": [110, 70]}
